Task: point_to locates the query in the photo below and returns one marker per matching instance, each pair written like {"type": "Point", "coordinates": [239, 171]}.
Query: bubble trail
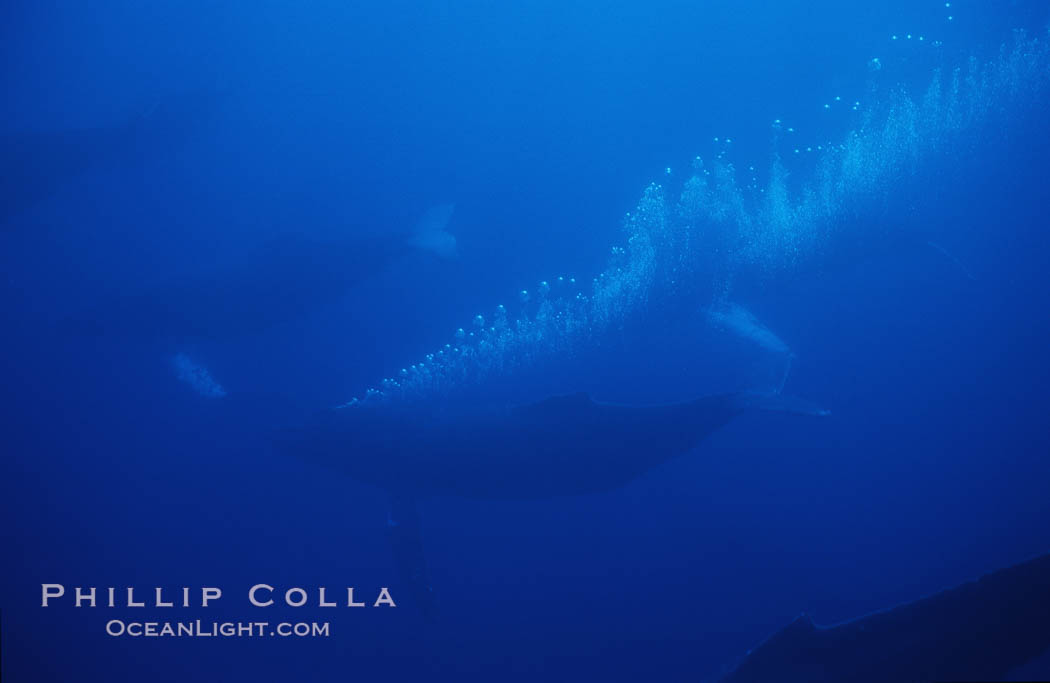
{"type": "Point", "coordinates": [679, 250]}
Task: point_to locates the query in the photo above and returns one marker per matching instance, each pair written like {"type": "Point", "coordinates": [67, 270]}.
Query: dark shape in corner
{"type": "Point", "coordinates": [980, 630]}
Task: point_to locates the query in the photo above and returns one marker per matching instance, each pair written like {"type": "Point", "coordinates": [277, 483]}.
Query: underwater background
{"type": "Point", "coordinates": [843, 201]}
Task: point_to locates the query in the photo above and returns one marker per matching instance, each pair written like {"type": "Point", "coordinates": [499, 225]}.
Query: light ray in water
{"type": "Point", "coordinates": [687, 251]}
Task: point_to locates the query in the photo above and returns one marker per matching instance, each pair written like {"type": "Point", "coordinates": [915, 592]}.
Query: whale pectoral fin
{"type": "Point", "coordinates": [406, 542]}
{"type": "Point", "coordinates": [431, 233]}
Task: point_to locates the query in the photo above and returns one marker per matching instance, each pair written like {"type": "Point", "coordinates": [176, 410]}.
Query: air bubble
{"type": "Point", "coordinates": [581, 316]}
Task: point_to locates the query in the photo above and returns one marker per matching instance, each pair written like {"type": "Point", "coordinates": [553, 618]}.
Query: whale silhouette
{"type": "Point", "coordinates": [34, 165]}
{"type": "Point", "coordinates": [980, 630]}
{"type": "Point", "coordinates": [563, 445]}
{"type": "Point", "coordinates": [281, 282]}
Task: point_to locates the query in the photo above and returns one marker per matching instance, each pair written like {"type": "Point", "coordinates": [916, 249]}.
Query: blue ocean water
{"type": "Point", "coordinates": [668, 200]}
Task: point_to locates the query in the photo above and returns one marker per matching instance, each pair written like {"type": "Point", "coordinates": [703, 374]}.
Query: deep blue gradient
{"type": "Point", "coordinates": [543, 122]}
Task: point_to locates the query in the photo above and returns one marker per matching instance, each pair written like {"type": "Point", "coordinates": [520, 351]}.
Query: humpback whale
{"type": "Point", "coordinates": [36, 164]}
{"type": "Point", "coordinates": [287, 278]}
{"type": "Point", "coordinates": [563, 445]}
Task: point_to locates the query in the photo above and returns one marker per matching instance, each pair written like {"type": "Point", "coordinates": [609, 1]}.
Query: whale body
{"type": "Point", "coordinates": [281, 282]}
{"type": "Point", "coordinates": [563, 445]}
{"type": "Point", "coordinates": [36, 164]}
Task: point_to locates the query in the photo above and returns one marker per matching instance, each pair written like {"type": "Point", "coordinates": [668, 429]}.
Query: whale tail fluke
{"type": "Point", "coordinates": [779, 403]}
{"type": "Point", "coordinates": [431, 233]}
